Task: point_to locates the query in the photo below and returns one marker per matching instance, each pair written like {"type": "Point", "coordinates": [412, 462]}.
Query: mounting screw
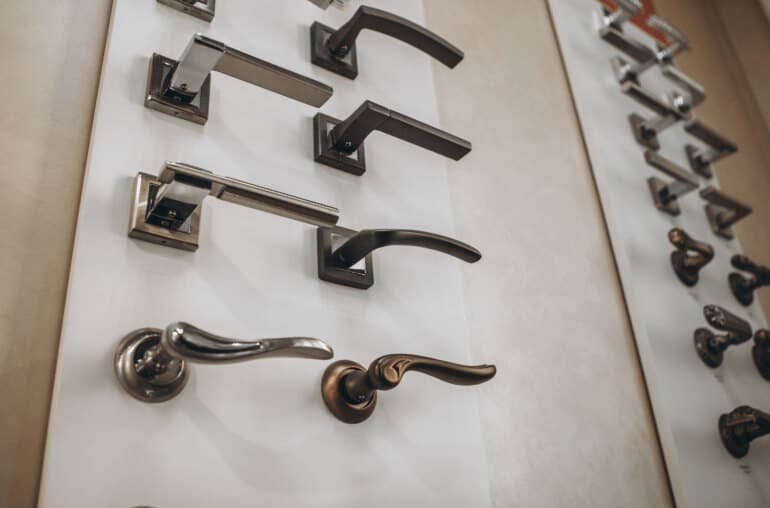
{"type": "Point", "coordinates": [171, 213]}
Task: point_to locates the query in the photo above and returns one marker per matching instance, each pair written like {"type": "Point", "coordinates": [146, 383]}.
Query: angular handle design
{"type": "Point", "coordinates": [661, 55]}
{"type": "Point", "coordinates": [711, 347]}
{"type": "Point", "coordinates": [350, 391]}
{"type": "Point", "coordinates": [335, 50]}
{"type": "Point", "coordinates": [339, 143]}
{"type": "Point", "coordinates": [743, 287]}
{"type": "Point", "coordinates": [701, 159]}
{"type": "Point", "coordinates": [151, 364]}
{"type": "Point", "coordinates": [687, 265]}
{"type": "Point", "coordinates": [722, 211]}
{"type": "Point", "coordinates": [646, 130]}
{"type": "Point", "coordinates": [201, 9]}
{"type": "Point", "coordinates": [181, 87]}
{"type": "Point", "coordinates": [611, 31]}
{"type": "Point", "coordinates": [665, 195]}
{"type": "Point", "coordinates": [740, 427]}
{"type": "Point", "coordinates": [336, 265]}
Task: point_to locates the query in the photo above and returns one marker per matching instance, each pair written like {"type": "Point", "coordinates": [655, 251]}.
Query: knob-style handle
{"type": "Point", "coordinates": [151, 364]}
{"type": "Point", "coordinates": [711, 347]}
{"type": "Point", "coordinates": [740, 427]}
{"type": "Point", "coordinates": [335, 50]}
{"type": "Point", "coordinates": [761, 353]}
{"type": "Point", "coordinates": [350, 391]}
{"type": "Point", "coordinates": [689, 257]}
{"type": "Point", "coordinates": [743, 287]}
{"type": "Point", "coordinates": [336, 265]}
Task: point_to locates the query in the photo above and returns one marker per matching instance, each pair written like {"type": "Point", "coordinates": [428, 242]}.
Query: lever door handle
{"type": "Point", "coordinates": [166, 209]}
{"type": "Point", "coordinates": [740, 427]}
{"type": "Point", "coordinates": [722, 211]}
{"type": "Point", "coordinates": [336, 265]}
{"type": "Point", "coordinates": [665, 195]}
{"type": "Point", "coordinates": [696, 94]}
{"type": "Point", "coordinates": [689, 257]}
{"type": "Point", "coordinates": [702, 158]}
{"type": "Point", "coordinates": [182, 87]}
{"type": "Point", "coordinates": [335, 50]}
{"type": "Point", "coordinates": [151, 364]}
{"type": "Point", "coordinates": [646, 130]}
{"type": "Point", "coordinates": [350, 390]}
{"type": "Point", "coordinates": [761, 353]}
{"type": "Point", "coordinates": [678, 41]}
{"type": "Point", "coordinates": [626, 9]}
{"type": "Point", "coordinates": [743, 287]}
{"type": "Point", "coordinates": [201, 9]}
{"type": "Point", "coordinates": [711, 347]}
{"type": "Point", "coordinates": [611, 31]}
{"type": "Point", "coordinates": [661, 55]}
{"type": "Point", "coordinates": [324, 4]}
{"type": "Point", "coordinates": [339, 143]}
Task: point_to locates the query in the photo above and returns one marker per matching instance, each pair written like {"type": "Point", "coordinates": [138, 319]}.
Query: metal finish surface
{"type": "Point", "coordinates": [660, 55]}
{"type": "Point", "coordinates": [665, 195]}
{"type": "Point", "coordinates": [701, 158]}
{"type": "Point", "coordinates": [350, 391]}
{"type": "Point", "coordinates": [740, 427]}
{"type": "Point", "coordinates": [201, 9]}
{"type": "Point", "coordinates": [743, 287]}
{"type": "Point", "coordinates": [722, 211]}
{"type": "Point", "coordinates": [646, 130]}
{"type": "Point", "coordinates": [335, 50]}
{"type": "Point", "coordinates": [711, 347]}
{"type": "Point", "coordinates": [181, 88]}
{"type": "Point", "coordinates": [150, 363]}
{"type": "Point", "coordinates": [760, 352]}
{"type": "Point", "coordinates": [689, 257]}
{"type": "Point", "coordinates": [348, 136]}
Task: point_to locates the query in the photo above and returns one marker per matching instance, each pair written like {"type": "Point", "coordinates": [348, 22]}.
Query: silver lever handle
{"type": "Point", "coordinates": [722, 211]}
{"type": "Point", "coordinates": [665, 194]}
{"type": "Point", "coordinates": [646, 130]}
{"type": "Point", "coordinates": [701, 158]}
{"type": "Point", "coordinates": [150, 363]}
{"type": "Point", "coordinates": [181, 88]}
{"type": "Point", "coordinates": [625, 11]}
{"type": "Point", "coordinates": [201, 9]}
{"type": "Point", "coordinates": [166, 209]}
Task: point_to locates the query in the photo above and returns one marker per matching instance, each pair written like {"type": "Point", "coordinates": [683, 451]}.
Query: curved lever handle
{"type": "Point", "coordinates": [365, 241]}
{"type": "Point", "coordinates": [743, 287]}
{"type": "Point", "coordinates": [745, 264]}
{"type": "Point", "coordinates": [741, 426]}
{"type": "Point", "coordinates": [350, 391]}
{"type": "Point", "coordinates": [761, 352]}
{"type": "Point", "coordinates": [711, 347]}
{"type": "Point", "coordinates": [685, 264]}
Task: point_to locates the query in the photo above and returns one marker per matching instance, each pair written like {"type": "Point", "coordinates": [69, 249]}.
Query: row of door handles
{"type": "Point", "coordinates": [152, 365]}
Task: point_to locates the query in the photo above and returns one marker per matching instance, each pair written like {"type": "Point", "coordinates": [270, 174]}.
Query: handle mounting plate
{"type": "Point", "coordinates": [324, 153]}
{"type": "Point", "coordinates": [643, 137]}
{"type": "Point", "coordinates": [697, 166]}
{"type": "Point", "coordinates": [658, 189]}
{"type": "Point", "coordinates": [332, 394]}
{"type": "Point", "coordinates": [321, 56]}
{"type": "Point", "coordinates": [154, 97]}
{"type": "Point", "coordinates": [201, 9]}
{"type": "Point", "coordinates": [327, 271]}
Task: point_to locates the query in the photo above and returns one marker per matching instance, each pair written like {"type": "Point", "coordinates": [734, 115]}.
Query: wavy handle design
{"type": "Point", "coordinates": [690, 256]}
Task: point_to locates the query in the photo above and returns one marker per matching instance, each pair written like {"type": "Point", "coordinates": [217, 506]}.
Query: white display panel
{"type": "Point", "coordinates": [687, 397]}
{"type": "Point", "coordinates": [258, 433]}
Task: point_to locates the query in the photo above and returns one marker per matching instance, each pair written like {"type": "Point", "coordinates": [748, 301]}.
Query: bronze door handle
{"type": "Point", "coordinates": [151, 364]}
{"type": "Point", "coordinates": [743, 287]}
{"type": "Point", "coordinates": [740, 427]}
{"type": "Point", "coordinates": [336, 265]}
{"type": "Point", "coordinates": [709, 346]}
{"type": "Point", "coordinates": [350, 391]}
{"type": "Point", "coordinates": [761, 353]}
{"type": "Point", "coordinates": [701, 158]}
{"type": "Point", "coordinates": [722, 211]}
{"type": "Point", "coordinates": [335, 50]}
{"type": "Point", "coordinates": [687, 265]}
{"type": "Point", "coordinates": [340, 143]}
{"type": "Point", "coordinates": [665, 195]}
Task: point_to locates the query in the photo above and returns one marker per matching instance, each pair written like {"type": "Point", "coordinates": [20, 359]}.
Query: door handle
{"type": "Point", "coordinates": [151, 364]}
{"type": "Point", "coordinates": [611, 30]}
{"type": "Point", "coordinates": [182, 87]}
{"type": "Point", "coordinates": [689, 257]}
{"type": "Point", "coordinates": [702, 158]}
{"type": "Point", "coordinates": [167, 209]}
{"type": "Point", "coordinates": [336, 265]}
{"type": "Point", "coordinates": [646, 130]}
{"type": "Point", "coordinates": [722, 211]}
{"type": "Point", "coordinates": [740, 427]}
{"type": "Point", "coordinates": [335, 50]}
{"type": "Point", "coordinates": [696, 94]}
{"type": "Point", "coordinates": [350, 390]}
{"type": "Point", "coordinates": [665, 195]}
{"type": "Point", "coordinates": [340, 143]}
{"type": "Point", "coordinates": [201, 9]}
{"type": "Point", "coordinates": [743, 287]}
{"type": "Point", "coordinates": [709, 346]}
{"type": "Point", "coordinates": [761, 353]}
{"type": "Point", "coordinates": [661, 55]}
{"type": "Point", "coordinates": [324, 4]}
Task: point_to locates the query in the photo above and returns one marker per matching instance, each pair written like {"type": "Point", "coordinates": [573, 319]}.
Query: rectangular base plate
{"type": "Point", "coordinates": [641, 137]}
{"type": "Point", "coordinates": [145, 186]}
{"type": "Point", "coordinates": [155, 98]}
{"type": "Point", "coordinates": [712, 214]}
{"type": "Point", "coordinates": [200, 9]}
{"type": "Point", "coordinates": [351, 277]}
{"type": "Point", "coordinates": [703, 170]}
{"type": "Point", "coordinates": [657, 189]}
{"type": "Point", "coordinates": [324, 153]}
{"type": "Point", "coordinates": [322, 57]}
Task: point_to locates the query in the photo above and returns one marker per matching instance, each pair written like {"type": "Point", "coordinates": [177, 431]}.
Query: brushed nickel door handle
{"type": "Point", "coordinates": [711, 347]}
{"type": "Point", "coordinates": [740, 427]}
{"type": "Point", "coordinates": [151, 364]}
{"type": "Point", "coordinates": [336, 264]}
{"type": "Point", "coordinates": [340, 143]}
{"type": "Point", "coordinates": [182, 87]}
{"type": "Point", "coordinates": [350, 390]}
{"type": "Point", "coordinates": [646, 130]}
{"type": "Point", "coordinates": [689, 257]}
{"type": "Point", "coordinates": [743, 287]}
{"type": "Point", "coordinates": [201, 9]}
{"type": "Point", "coordinates": [335, 50]}
{"type": "Point", "coordinates": [722, 211]}
{"type": "Point", "coordinates": [665, 194]}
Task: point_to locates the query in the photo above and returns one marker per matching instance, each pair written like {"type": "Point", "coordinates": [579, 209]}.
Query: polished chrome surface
{"type": "Point", "coordinates": [626, 9]}
{"type": "Point", "coordinates": [201, 9]}
{"type": "Point", "coordinates": [740, 427]}
{"type": "Point", "coordinates": [696, 94]}
{"type": "Point", "coordinates": [702, 158]}
{"type": "Point", "coordinates": [151, 363]}
{"type": "Point", "coordinates": [722, 211]}
{"type": "Point", "coordinates": [661, 55]}
{"type": "Point", "coordinates": [665, 194]}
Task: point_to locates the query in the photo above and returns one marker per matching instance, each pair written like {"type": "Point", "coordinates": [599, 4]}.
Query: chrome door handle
{"type": "Point", "coordinates": [696, 94]}
{"type": "Point", "coordinates": [336, 265]}
{"type": "Point", "coordinates": [646, 130]}
{"type": "Point", "coordinates": [722, 211]}
{"type": "Point", "coordinates": [711, 347]}
{"type": "Point", "coordinates": [611, 31]}
{"type": "Point", "coordinates": [182, 87]}
{"type": "Point", "coordinates": [626, 71]}
{"type": "Point", "coordinates": [201, 9]}
{"type": "Point", "coordinates": [743, 287]}
{"type": "Point", "coordinates": [689, 257]}
{"type": "Point", "coordinates": [151, 364]}
{"type": "Point", "coordinates": [350, 391]}
{"type": "Point", "coordinates": [761, 353]}
{"type": "Point", "coordinates": [166, 209]}
{"type": "Point", "coordinates": [740, 427]}
{"type": "Point", "coordinates": [665, 195]}
{"type": "Point", "coordinates": [701, 159]}
{"type": "Point", "coordinates": [335, 50]}
{"type": "Point", "coordinates": [626, 9]}
{"type": "Point", "coordinates": [340, 143]}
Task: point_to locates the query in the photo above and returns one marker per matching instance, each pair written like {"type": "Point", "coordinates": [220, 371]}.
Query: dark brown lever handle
{"type": "Point", "coordinates": [350, 391]}
{"type": "Point", "coordinates": [335, 49]}
{"type": "Point", "coordinates": [711, 347]}
{"type": "Point", "coordinates": [689, 257]}
{"type": "Point", "coordinates": [743, 287]}
{"type": "Point", "coordinates": [740, 427]}
{"type": "Point", "coordinates": [761, 352]}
